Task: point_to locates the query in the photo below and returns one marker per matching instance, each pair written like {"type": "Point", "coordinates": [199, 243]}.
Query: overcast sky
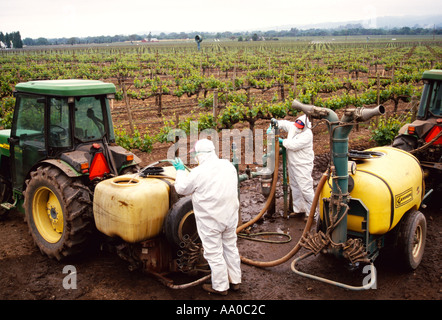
{"type": "Point", "coordinates": [81, 18]}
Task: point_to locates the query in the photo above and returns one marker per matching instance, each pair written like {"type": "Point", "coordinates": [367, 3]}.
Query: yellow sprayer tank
{"type": "Point", "coordinates": [389, 184]}
{"type": "Point", "coordinates": [131, 207]}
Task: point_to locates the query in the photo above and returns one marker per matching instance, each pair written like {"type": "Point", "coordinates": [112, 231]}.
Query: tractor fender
{"type": "Point", "coordinates": [63, 166]}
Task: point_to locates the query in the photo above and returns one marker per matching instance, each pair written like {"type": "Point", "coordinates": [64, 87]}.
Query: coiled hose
{"type": "Point", "coordinates": [308, 225]}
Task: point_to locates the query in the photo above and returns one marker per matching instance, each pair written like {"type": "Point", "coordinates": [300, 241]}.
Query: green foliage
{"type": "Point", "coordinates": [6, 82]}
{"type": "Point", "coordinates": [137, 140]}
{"type": "Point", "coordinates": [232, 114]}
{"type": "Point", "coordinates": [386, 130]}
{"type": "Point", "coordinates": [206, 121]}
{"type": "Point", "coordinates": [6, 112]}
{"type": "Point", "coordinates": [164, 131]}
{"type": "Point", "coordinates": [241, 73]}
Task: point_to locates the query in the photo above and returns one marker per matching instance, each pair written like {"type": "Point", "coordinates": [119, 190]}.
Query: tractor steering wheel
{"type": "Point", "coordinates": [58, 135]}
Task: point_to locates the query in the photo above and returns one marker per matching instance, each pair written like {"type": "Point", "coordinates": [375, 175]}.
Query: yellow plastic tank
{"type": "Point", "coordinates": [388, 185]}
{"type": "Point", "coordinates": [131, 207]}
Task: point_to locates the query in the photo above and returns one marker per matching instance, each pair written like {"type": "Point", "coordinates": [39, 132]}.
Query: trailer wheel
{"type": "Point", "coordinates": [411, 240]}
{"type": "Point", "coordinates": [180, 222]}
{"type": "Point", "coordinates": [58, 212]}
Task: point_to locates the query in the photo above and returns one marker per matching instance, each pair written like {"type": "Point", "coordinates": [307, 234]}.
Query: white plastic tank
{"type": "Point", "coordinates": [132, 208]}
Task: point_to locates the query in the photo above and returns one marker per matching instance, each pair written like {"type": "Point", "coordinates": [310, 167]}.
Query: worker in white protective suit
{"type": "Point", "coordinates": [300, 157]}
{"type": "Point", "coordinates": [213, 186]}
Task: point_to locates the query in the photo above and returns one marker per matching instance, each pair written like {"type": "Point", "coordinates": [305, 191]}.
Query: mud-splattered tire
{"type": "Point", "coordinates": [404, 142]}
{"type": "Point", "coordinates": [411, 240]}
{"type": "Point", "coordinates": [180, 221]}
{"type": "Point", "coordinates": [58, 212]}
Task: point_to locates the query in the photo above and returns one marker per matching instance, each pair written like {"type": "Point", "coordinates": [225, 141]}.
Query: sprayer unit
{"type": "Point", "coordinates": [365, 199]}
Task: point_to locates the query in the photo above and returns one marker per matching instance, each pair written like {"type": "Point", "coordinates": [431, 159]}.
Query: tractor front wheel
{"type": "Point", "coordinates": [58, 212]}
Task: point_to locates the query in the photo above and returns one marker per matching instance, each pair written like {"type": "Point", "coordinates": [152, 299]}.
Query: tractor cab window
{"type": "Point", "coordinates": [431, 99]}
{"type": "Point", "coordinates": [89, 119]}
{"type": "Point", "coordinates": [30, 118]}
{"type": "Point", "coordinates": [28, 136]}
{"type": "Point", "coordinates": [59, 123]}
{"type": "Point", "coordinates": [436, 100]}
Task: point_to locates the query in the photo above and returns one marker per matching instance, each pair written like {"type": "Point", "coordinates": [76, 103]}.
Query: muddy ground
{"type": "Point", "coordinates": [25, 274]}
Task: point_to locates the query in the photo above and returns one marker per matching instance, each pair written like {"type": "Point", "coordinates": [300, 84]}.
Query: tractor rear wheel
{"type": "Point", "coordinates": [411, 239]}
{"type": "Point", "coordinates": [58, 212]}
{"type": "Point", "coordinates": [404, 142]}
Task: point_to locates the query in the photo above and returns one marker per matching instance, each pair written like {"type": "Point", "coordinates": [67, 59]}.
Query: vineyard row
{"type": "Point", "coordinates": [223, 85]}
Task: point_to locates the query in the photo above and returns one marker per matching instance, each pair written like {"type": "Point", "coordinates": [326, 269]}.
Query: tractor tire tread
{"type": "Point", "coordinates": [78, 214]}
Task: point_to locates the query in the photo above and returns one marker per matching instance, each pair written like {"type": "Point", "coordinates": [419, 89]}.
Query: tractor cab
{"type": "Point", "coordinates": [431, 101]}
{"type": "Point", "coordinates": [66, 123]}
{"type": "Point", "coordinates": [423, 137]}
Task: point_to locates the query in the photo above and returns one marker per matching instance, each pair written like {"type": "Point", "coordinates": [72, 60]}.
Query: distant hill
{"type": "Point", "coordinates": [373, 23]}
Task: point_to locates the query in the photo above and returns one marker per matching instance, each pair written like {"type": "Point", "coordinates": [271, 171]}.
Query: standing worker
{"type": "Point", "coordinates": [300, 157]}
{"type": "Point", "coordinates": [213, 186]}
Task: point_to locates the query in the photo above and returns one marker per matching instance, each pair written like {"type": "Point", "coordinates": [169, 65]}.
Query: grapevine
{"type": "Point", "coordinates": [227, 83]}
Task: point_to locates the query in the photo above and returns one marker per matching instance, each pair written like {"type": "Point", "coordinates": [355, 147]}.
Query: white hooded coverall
{"type": "Point", "coordinates": [213, 186]}
{"type": "Point", "coordinates": [300, 157]}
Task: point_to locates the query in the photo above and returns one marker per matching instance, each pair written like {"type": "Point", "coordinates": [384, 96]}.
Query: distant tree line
{"type": "Point", "coordinates": [348, 30]}
{"type": "Point", "coordinates": [75, 40]}
{"type": "Point", "coordinates": [11, 40]}
{"type": "Point", "coordinates": [356, 30]}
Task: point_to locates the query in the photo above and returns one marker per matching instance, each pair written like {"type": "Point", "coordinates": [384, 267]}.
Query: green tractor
{"type": "Point", "coordinates": [423, 137]}
{"type": "Point", "coordinates": [60, 147]}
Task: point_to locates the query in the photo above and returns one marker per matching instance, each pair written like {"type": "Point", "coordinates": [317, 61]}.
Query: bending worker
{"type": "Point", "coordinates": [213, 186]}
{"type": "Point", "coordinates": [300, 156]}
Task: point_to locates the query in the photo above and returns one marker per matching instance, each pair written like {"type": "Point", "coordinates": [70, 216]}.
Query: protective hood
{"type": "Point", "coordinates": [204, 150]}
{"type": "Point", "coordinates": [306, 121]}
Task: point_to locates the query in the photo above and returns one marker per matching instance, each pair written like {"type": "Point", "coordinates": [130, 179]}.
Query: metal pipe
{"type": "Point", "coordinates": [272, 190]}
{"type": "Point", "coordinates": [171, 285]}
{"type": "Point", "coordinates": [367, 286]}
{"type": "Point", "coordinates": [339, 140]}
{"type": "Point", "coordinates": [339, 132]}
